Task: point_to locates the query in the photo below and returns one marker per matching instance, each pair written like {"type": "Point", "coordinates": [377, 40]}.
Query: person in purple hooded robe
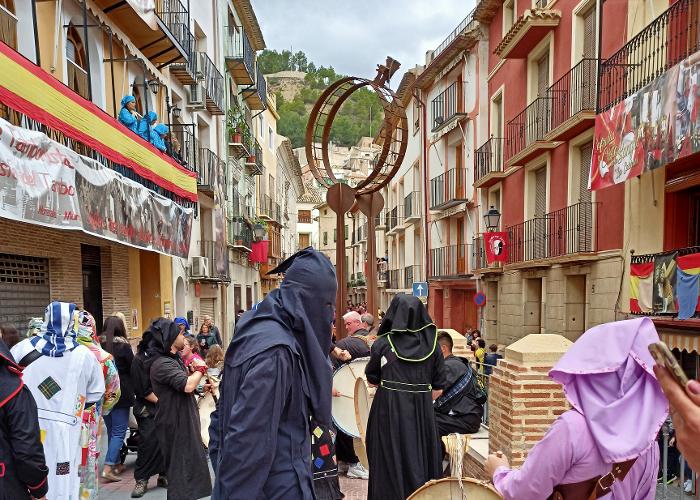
{"type": "Point", "coordinates": [618, 409]}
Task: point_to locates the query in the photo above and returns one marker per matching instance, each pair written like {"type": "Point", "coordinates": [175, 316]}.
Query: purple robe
{"type": "Point", "coordinates": [568, 454]}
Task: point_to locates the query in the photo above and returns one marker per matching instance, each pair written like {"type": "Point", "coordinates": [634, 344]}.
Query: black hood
{"type": "Point", "coordinates": [299, 315]}
{"type": "Point", "coordinates": [409, 329]}
{"type": "Point", "coordinates": [162, 333]}
{"type": "Point", "coordinates": [10, 375]}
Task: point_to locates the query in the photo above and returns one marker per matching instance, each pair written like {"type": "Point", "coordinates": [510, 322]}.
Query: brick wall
{"type": "Point", "coordinates": [62, 249]}
{"type": "Point", "coordinates": [523, 400]}
{"type": "Point", "coordinates": [474, 468]}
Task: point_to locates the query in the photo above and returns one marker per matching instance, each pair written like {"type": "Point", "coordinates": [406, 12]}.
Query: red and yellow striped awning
{"type": "Point", "coordinates": [682, 342]}
{"type": "Point", "coordinates": [27, 88]}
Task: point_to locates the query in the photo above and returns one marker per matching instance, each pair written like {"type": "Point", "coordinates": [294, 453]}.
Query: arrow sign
{"type": "Point", "coordinates": [420, 289]}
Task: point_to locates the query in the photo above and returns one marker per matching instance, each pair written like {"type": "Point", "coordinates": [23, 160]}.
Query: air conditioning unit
{"type": "Point", "coordinates": [200, 267]}
{"type": "Point", "coordinates": [195, 97]}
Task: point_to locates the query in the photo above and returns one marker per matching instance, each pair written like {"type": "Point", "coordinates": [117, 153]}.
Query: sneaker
{"type": "Point", "coordinates": [343, 467]}
{"type": "Point", "coordinates": [140, 489]}
{"type": "Point", "coordinates": [357, 471]}
{"type": "Point", "coordinates": [688, 486]}
{"type": "Point", "coordinates": [162, 482]}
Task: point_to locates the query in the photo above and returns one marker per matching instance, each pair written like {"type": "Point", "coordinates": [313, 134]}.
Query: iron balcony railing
{"type": "Point", "coordinates": [208, 171]}
{"type": "Point", "coordinates": [304, 218]}
{"type": "Point", "coordinates": [455, 33]}
{"type": "Point", "coordinates": [573, 93]}
{"type": "Point", "coordinates": [489, 158]}
{"type": "Point", "coordinates": [411, 274]}
{"type": "Point", "coordinates": [666, 41]}
{"type": "Point", "coordinates": [78, 79]}
{"type": "Point", "coordinates": [254, 162]}
{"type": "Point", "coordinates": [528, 127]}
{"type": "Point", "coordinates": [238, 47]}
{"type": "Point", "coordinates": [217, 255]}
{"type": "Point", "coordinates": [452, 260]}
{"type": "Point", "coordinates": [448, 187]}
{"type": "Point", "coordinates": [394, 281]}
{"type": "Point", "coordinates": [8, 27]}
{"type": "Point", "coordinates": [446, 105]}
{"type": "Point", "coordinates": [266, 208]}
{"type": "Point", "coordinates": [360, 279]}
{"type": "Point", "coordinates": [183, 146]}
{"type": "Point", "coordinates": [214, 85]}
{"type": "Point", "coordinates": [411, 205]}
{"type": "Point", "coordinates": [240, 233]}
{"type": "Point", "coordinates": [176, 19]}
{"type": "Point", "coordinates": [567, 231]}
{"type": "Point", "coordinates": [392, 219]}
{"type": "Point", "coordinates": [381, 219]}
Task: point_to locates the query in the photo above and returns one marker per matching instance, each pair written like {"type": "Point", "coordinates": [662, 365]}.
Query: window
{"type": "Point", "coordinates": [335, 235]}
{"type": "Point", "coordinates": [325, 238]}
{"type": "Point", "coordinates": [416, 115]}
{"type": "Point", "coordinates": [346, 231]}
{"type": "Point", "coordinates": [76, 63]}
{"type": "Point", "coordinates": [509, 15]}
{"type": "Point", "coordinates": [271, 138]}
{"type": "Point", "coordinates": [8, 31]}
{"type": "Point", "coordinates": [304, 217]}
{"type": "Point", "coordinates": [325, 212]}
{"type": "Point", "coordinates": [497, 115]}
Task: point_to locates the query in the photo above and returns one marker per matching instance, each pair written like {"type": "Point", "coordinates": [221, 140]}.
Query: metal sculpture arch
{"type": "Point", "coordinates": [393, 140]}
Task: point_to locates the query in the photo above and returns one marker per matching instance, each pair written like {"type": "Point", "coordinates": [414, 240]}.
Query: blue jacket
{"type": "Point", "coordinates": [144, 127]}
{"type": "Point", "coordinates": [156, 138]}
{"type": "Point", "coordinates": [128, 120]}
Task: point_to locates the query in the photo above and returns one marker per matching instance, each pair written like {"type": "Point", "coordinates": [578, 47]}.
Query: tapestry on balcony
{"type": "Point", "coordinates": [664, 286]}
{"type": "Point", "coordinates": [653, 127]}
{"type": "Point", "coordinates": [497, 247]}
{"type": "Point", "coordinates": [688, 285]}
{"type": "Point", "coordinates": [259, 251]}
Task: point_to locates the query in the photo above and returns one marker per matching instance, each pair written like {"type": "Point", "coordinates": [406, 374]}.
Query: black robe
{"type": "Point", "coordinates": [402, 437]}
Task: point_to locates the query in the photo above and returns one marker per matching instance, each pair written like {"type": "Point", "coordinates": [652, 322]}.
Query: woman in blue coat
{"type": "Point", "coordinates": [144, 127]}
{"type": "Point", "coordinates": [158, 134]}
{"type": "Point", "coordinates": [128, 115]}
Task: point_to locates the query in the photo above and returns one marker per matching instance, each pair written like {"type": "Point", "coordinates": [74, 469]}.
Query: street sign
{"type": "Point", "coordinates": [420, 289]}
{"type": "Point", "coordinates": [480, 299]}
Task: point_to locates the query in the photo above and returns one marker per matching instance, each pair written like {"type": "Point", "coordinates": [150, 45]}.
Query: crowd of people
{"type": "Point", "coordinates": [271, 434]}
{"type": "Point", "coordinates": [148, 128]}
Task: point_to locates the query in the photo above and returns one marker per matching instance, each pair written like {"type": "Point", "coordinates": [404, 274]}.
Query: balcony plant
{"type": "Point", "coordinates": [260, 228]}
{"type": "Point", "coordinates": [235, 125]}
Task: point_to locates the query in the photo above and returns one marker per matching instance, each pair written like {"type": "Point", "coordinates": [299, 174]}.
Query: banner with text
{"type": "Point", "coordinates": [651, 128]}
{"type": "Point", "coordinates": [43, 182]}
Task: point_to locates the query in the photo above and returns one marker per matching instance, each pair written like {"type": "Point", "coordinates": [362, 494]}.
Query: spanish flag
{"type": "Point", "coordinates": [641, 281]}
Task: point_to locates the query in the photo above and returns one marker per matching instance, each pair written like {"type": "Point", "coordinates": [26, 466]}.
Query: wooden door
{"type": "Point", "coordinates": [539, 228]}
{"type": "Point", "coordinates": [460, 250]}
{"type": "Point", "coordinates": [459, 181]}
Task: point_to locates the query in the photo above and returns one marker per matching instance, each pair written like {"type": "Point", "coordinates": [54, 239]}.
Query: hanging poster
{"type": "Point", "coordinates": [664, 284]}
{"type": "Point", "coordinates": [45, 183]}
{"type": "Point", "coordinates": [653, 127]}
{"type": "Point", "coordinates": [496, 247]}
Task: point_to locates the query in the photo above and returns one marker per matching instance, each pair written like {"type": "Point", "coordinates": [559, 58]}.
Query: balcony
{"type": "Point", "coordinates": [450, 261]}
{"type": "Point", "coordinates": [214, 86]}
{"type": "Point", "coordinates": [411, 208]}
{"type": "Point", "coordinates": [256, 95]}
{"type": "Point", "coordinates": [360, 280]}
{"type": "Point", "coordinates": [77, 79]}
{"type": "Point", "coordinates": [240, 234]}
{"type": "Point", "coordinates": [217, 255]}
{"type": "Point", "coordinates": [170, 42]}
{"type": "Point", "coordinates": [489, 168]}
{"type": "Point", "coordinates": [304, 218]}
{"type": "Point", "coordinates": [266, 208]}
{"type": "Point", "coordinates": [665, 42]}
{"type": "Point", "coordinates": [210, 172]}
{"type": "Point", "coordinates": [8, 27]}
{"type": "Point", "coordinates": [188, 70]}
{"type": "Point", "coordinates": [565, 235]}
{"type": "Point", "coordinates": [381, 220]}
{"type": "Point", "coordinates": [529, 30]}
{"type": "Point", "coordinates": [411, 274]}
{"type": "Point", "coordinates": [448, 189]}
{"type": "Point", "coordinates": [392, 220]}
{"type": "Point", "coordinates": [254, 161]}
{"type": "Point", "coordinates": [447, 106]}
{"type": "Point", "coordinates": [572, 101]}
{"type": "Point", "coordinates": [240, 56]}
{"type": "Point", "coordinates": [184, 146]}
{"type": "Point", "coordinates": [395, 278]}
{"type": "Point", "coordinates": [525, 134]}
{"type": "Point", "coordinates": [240, 141]}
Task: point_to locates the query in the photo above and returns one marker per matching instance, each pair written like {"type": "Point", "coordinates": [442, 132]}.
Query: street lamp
{"type": "Point", "coordinates": [177, 112]}
{"type": "Point", "coordinates": [492, 218]}
{"type": "Point", "coordinates": [154, 85]}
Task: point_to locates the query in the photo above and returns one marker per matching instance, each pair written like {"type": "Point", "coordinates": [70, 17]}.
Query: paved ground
{"type": "Point", "coordinates": [354, 489]}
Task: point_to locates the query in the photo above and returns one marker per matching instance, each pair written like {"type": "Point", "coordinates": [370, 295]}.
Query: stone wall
{"type": "Point", "coordinates": [523, 400]}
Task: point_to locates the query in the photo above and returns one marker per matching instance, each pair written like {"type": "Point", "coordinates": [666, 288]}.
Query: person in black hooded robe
{"type": "Point", "coordinates": [276, 376]}
{"type": "Point", "coordinates": [177, 418]}
{"type": "Point", "coordinates": [403, 446]}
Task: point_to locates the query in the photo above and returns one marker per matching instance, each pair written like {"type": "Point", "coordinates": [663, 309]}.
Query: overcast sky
{"type": "Point", "coordinates": [354, 35]}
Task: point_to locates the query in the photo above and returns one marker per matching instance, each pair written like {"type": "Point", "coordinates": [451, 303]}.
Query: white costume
{"type": "Point", "coordinates": [62, 380]}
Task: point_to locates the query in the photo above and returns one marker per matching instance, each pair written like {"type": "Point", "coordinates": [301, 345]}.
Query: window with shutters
{"type": "Point", "coordinates": [335, 235]}
{"type": "Point", "coordinates": [585, 155]}
{"type": "Point", "coordinates": [509, 15]}
{"type": "Point", "coordinates": [76, 63]}
{"type": "Point", "coordinates": [325, 238]}
{"type": "Point", "coordinates": [589, 34]}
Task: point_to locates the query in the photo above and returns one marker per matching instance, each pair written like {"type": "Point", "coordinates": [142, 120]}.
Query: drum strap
{"type": "Point", "coordinates": [593, 488]}
{"type": "Point", "coordinates": [392, 385]}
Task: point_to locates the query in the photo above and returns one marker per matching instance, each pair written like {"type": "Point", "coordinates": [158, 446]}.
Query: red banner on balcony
{"type": "Point", "coordinates": [259, 251]}
{"type": "Point", "coordinates": [497, 247]}
{"type": "Point", "coordinates": [653, 127]}
{"type": "Point", "coordinates": [33, 92]}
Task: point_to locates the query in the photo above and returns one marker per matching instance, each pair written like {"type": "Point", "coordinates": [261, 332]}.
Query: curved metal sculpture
{"type": "Point", "coordinates": [393, 139]}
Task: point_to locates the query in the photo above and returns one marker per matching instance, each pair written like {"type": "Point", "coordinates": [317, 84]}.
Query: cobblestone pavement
{"type": "Point", "coordinates": [354, 489]}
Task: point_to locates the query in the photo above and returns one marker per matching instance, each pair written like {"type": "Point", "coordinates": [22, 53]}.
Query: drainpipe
{"type": "Point", "coordinates": [426, 185]}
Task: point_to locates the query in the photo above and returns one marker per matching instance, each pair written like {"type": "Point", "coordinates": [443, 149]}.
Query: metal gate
{"type": "Point", "coordinates": [24, 289]}
{"type": "Point", "coordinates": [207, 307]}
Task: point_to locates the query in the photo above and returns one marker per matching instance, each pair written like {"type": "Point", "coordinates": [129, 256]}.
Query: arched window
{"type": "Point", "coordinates": [76, 61]}
{"type": "Point", "coordinates": [139, 99]}
{"type": "Point", "coordinates": [8, 23]}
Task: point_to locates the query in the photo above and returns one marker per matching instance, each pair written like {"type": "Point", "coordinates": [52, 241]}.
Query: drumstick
{"type": "Point", "coordinates": [346, 396]}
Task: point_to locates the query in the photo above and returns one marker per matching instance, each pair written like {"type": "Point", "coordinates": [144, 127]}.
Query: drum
{"type": "Point", "coordinates": [364, 395]}
{"type": "Point", "coordinates": [344, 380]}
{"type": "Point", "coordinates": [455, 489]}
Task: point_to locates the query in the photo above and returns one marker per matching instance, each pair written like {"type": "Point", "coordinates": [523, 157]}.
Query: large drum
{"type": "Point", "coordinates": [344, 380]}
{"type": "Point", "coordinates": [455, 489]}
{"type": "Point", "coordinates": [364, 395]}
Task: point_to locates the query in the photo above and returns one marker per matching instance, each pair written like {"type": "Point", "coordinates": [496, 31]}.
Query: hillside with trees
{"type": "Point", "coordinates": [351, 123]}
